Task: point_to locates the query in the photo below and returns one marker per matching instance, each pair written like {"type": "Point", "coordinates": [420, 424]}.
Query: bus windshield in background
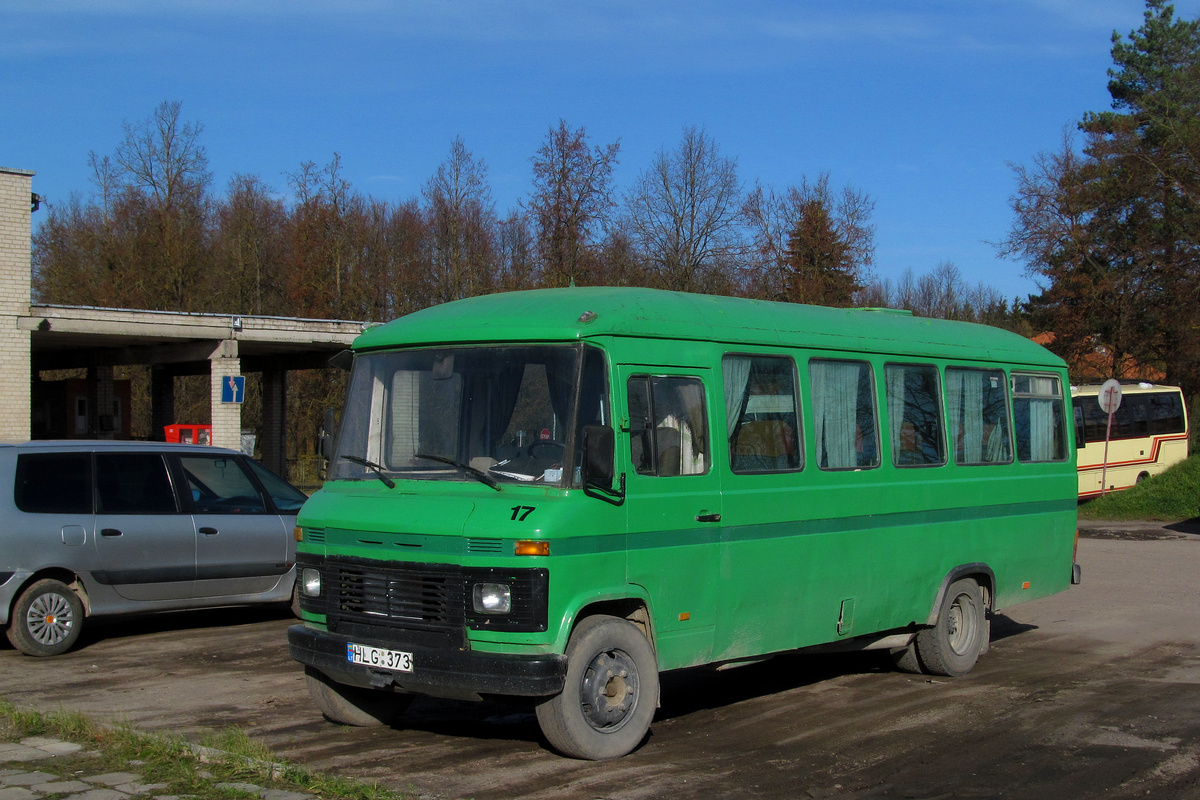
{"type": "Point", "coordinates": [505, 412]}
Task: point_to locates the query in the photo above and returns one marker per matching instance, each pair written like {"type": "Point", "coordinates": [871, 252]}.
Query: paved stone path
{"type": "Point", "coordinates": [27, 773]}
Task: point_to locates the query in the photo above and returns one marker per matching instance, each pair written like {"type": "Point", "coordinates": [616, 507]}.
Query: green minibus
{"type": "Point", "coordinates": [559, 494]}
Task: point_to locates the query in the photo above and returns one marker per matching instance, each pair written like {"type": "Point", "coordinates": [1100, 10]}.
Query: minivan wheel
{"type": "Point", "coordinates": [46, 619]}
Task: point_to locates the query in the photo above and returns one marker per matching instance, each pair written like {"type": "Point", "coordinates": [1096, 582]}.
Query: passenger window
{"type": "Point", "coordinates": [914, 415]}
{"type": "Point", "coordinates": [54, 483]}
{"type": "Point", "coordinates": [133, 483]}
{"type": "Point", "coordinates": [977, 404]}
{"type": "Point", "coordinates": [844, 428]}
{"type": "Point", "coordinates": [668, 426]}
{"type": "Point", "coordinates": [1039, 418]}
{"type": "Point", "coordinates": [762, 414]}
{"type": "Point", "coordinates": [220, 486]}
{"type": "Point", "coordinates": [287, 498]}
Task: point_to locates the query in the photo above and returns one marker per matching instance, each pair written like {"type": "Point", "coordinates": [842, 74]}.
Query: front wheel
{"type": "Point", "coordinates": [610, 693]}
{"type": "Point", "coordinates": [953, 645]}
{"type": "Point", "coordinates": [46, 619]}
{"type": "Point", "coordinates": [352, 705]}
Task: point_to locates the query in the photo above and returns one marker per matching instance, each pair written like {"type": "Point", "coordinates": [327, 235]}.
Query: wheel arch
{"type": "Point", "coordinates": [980, 572]}
{"type": "Point", "coordinates": [68, 577]}
{"type": "Point", "coordinates": [634, 609]}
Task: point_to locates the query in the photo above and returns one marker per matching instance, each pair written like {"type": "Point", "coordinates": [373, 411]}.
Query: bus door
{"type": "Point", "coordinates": [673, 505]}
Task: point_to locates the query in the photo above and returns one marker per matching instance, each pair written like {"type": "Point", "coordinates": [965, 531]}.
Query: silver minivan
{"type": "Point", "coordinates": [91, 529]}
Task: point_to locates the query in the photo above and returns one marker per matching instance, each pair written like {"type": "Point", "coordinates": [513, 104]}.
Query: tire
{"type": "Point", "coordinates": [906, 660]}
{"type": "Point", "coordinates": [610, 693]}
{"type": "Point", "coordinates": [352, 705]}
{"type": "Point", "coordinates": [46, 619]}
{"type": "Point", "coordinates": [954, 643]}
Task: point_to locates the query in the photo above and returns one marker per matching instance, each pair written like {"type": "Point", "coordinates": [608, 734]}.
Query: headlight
{"type": "Point", "coordinates": [310, 582]}
{"type": "Point", "coordinates": [492, 598]}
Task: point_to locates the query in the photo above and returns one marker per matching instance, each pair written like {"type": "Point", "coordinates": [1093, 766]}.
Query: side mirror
{"type": "Point", "coordinates": [599, 447]}
{"type": "Point", "coordinates": [327, 435]}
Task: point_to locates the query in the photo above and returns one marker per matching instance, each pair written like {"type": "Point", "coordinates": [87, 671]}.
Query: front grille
{"type": "Point", "coordinates": [429, 604]}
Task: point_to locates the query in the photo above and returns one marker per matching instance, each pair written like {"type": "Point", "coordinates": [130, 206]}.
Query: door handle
{"type": "Point", "coordinates": [109, 532]}
{"type": "Point", "coordinates": [209, 531]}
{"type": "Point", "coordinates": [708, 518]}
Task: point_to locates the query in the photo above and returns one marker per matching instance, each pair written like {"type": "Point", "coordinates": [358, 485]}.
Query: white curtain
{"type": "Point", "coordinates": [895, 376]}
{"type": "Point", "coordinates": [736, 372]}
{"type": "Point", "coordinates": [835, 410]}
{"type": "Point", "coordinates": [1041, 430]}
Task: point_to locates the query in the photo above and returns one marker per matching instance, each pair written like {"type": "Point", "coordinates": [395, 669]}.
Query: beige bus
{"type": "Point", "coordinates": [1149, 434]}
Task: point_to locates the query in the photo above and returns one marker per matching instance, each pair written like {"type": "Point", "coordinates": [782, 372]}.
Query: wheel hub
{"type": "Point", "coordinates": [609, 690]}
{"type": "Point", "coordinates": [50, 619]}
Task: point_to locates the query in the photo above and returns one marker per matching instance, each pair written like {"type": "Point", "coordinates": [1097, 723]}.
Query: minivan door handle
{"type": "Point", "coordinates": [209, 531]}
{"type": "Point", "coordinates": [110, 532]}
{"type": "Point", "coordinates": [708, 518]}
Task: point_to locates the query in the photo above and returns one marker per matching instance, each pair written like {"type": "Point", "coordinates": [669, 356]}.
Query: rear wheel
{"type": "Point", "coordinates": [953, 645]}
{"type": "Point", "coordinates": [46, 619]}
{"type": "Point", "coordinates": [352, 705]}
{"type": "Point", "coordinates": [610, 693]}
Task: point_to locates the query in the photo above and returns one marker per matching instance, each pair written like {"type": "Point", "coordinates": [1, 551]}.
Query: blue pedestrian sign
{"type": "Point", "coordinates": [233, 389]}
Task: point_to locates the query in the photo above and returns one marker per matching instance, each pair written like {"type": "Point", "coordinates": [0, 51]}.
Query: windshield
{"type": "Point", "coordinates": [497, 414]}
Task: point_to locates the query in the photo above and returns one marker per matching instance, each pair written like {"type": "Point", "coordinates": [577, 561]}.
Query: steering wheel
{"type": "Point", "coordinates": [559, 450]}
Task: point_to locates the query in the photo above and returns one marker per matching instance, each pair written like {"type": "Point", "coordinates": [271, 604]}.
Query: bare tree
{"type": "Point", "coordinates": [163, 156]}
{"type": "Point", "coordinates": [572, 187]}
{"type": "Point", "coordinates": [683, 214]}
{"type": "Point", "coordinates": [462, 220]}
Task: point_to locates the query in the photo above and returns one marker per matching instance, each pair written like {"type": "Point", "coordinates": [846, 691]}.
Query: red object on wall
{"type": "Point", "coordinates": [189, 434]}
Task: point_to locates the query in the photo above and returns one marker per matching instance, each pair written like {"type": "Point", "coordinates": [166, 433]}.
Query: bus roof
{"type": "Point", "coordinates": [547, 315]}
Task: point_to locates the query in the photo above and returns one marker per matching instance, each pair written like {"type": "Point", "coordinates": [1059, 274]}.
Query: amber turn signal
{"type": "Point", "coordinates": [528, 547]}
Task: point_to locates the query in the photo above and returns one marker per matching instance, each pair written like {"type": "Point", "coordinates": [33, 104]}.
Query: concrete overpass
{"type": "Point", "coordinates": [38, 337]}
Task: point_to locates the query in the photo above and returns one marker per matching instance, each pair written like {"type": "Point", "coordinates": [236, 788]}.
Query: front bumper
{"type": "Point", "coordinates": [458, 674]}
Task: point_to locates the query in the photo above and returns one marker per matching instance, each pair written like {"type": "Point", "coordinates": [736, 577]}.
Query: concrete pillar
{"type": "Point", "coordinates": [273, 436]}
{"type": "Point", "coordinates": [16, 189]}
{"type": "Point", "coordinates": [224, 363]}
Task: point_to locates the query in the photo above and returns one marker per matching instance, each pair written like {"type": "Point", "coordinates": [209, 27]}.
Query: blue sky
{"type": "Point", "coordinates": [922, 105]}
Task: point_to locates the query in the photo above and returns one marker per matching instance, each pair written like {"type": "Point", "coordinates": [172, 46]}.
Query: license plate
{"type": "Point", "coordinates": [378, 657]}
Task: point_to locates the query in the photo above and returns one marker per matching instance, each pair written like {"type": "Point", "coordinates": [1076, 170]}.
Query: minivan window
{"type": "Point", "coordinates": [844, 427]}
{"type": "Point", "coordinates": [668, 426]}
{"type": "Point", "coordinates": [286, 497]}
{"type": "Point", "coordinates": [54, 483]}
{"type": "Point", "coordinates": [220, 486]}
{"type": "Point", "coordinates": [133, 483]}
{"type": "Point", "coordinates": [762, 413]}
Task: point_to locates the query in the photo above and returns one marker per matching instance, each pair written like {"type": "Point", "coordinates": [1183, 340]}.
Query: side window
{"type": "Point", "coordinates": [1166, 413]}
{"type": "Point", "coordinates": [1039, 418]}
{"type": "Point", "coordinates": [977, 406]}
{"type": "Point", "coordinates": [287, 498]}
{"type": "Point", "coordinates": [133, 483]}
{"type": "Point", "coordinates": [914, 415]}
{"type": "Point", "coordinates": [668, 426]}
{"type": "Point", "coordinates": [54, 483]}
{"type": "Point", "coordinates": [762, 413]}
{"type": "Point", "coordinates": [594, 406]}
{"type": "Point", "coordinates": [219, 485]}
{"type": "Point", "coordinates": [844, 428]}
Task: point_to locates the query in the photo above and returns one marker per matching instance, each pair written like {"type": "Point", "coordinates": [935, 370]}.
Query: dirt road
{"type": "Point", "coordinates": [1092, 693]}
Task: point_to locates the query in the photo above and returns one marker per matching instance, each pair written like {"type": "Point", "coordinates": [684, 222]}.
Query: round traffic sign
{"type": "Point", "coordinates": [1110, 396]}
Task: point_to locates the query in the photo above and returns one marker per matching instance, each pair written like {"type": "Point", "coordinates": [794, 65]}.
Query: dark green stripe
{"type": "Point", "coordinates": [582, 545]}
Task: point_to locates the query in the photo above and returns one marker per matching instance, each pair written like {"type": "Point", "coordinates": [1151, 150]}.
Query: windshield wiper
{"type": "Point", "coordinates": [377, 469]}
{"type": "Point", "coordinates": [479, 475]}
